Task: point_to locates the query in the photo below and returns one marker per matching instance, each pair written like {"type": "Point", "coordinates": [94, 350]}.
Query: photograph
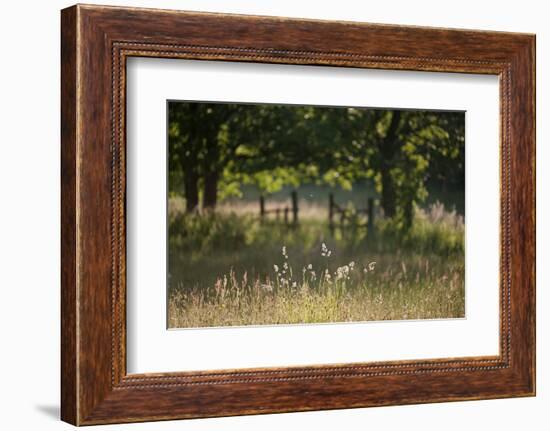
{"type": "Point", "coordinates": [297, 214]}
{"type": "Point", "coordinates": [282, 211]}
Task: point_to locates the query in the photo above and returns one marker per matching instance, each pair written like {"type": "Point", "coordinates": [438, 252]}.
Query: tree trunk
{"type": "Point", "coordinates": [210, 195]}
{"type": "Point", "coordinates": [188, 160]}
{"type": "Point", "coordinates": [389, 151]}
{"type": "Point", "coordinates": [191, 189]}
{"type": "Point", "coordinates": [211, 170]}
{"type": "Point", "coordinates": [389, 197]}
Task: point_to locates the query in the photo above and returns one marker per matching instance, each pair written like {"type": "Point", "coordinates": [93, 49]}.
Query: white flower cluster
{"type": "Point", "coordinates": [370, 267]}
{"type": "Point", "coordinates": [284, 273]}
{"type": "Point", "coordinates": [285, 277]}
{"type": "Point", "coordinates": [343, 272]}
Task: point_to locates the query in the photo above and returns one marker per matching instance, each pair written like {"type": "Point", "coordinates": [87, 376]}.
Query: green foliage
{"type": "Point", "coordinates": [201, 235]}
{"type": "Point", "coordinates": [204, 247]}
{"type": "Point", "coordinates": [442, 237]}
{"type": "Point", "coordinates": [215, 148]}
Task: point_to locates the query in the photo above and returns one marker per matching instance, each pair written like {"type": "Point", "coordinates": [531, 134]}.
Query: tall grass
{"type": "Point", "coordinates": [229, 269]}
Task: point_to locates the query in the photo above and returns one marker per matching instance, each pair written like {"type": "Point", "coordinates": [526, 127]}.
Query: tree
{"type": "Point", "coordinates": [214, 148]}
{"type": "Point", "coordinates": [196, 150]}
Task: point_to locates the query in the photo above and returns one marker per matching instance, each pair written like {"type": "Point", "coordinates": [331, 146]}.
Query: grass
{"type": "Point", "coordinates": [229, 269]}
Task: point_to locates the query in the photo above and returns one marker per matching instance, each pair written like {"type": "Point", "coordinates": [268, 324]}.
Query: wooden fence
{"type": "Point", "coordinates": [284, 211]}
{"type": "Point", "coordinates": [343, 215]}
{"type": "Point", "coordinates": [338, 217]}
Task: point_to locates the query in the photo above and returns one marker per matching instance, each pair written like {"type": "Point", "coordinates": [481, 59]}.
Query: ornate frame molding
{"type": "Point", "coordinates": [96, 41]}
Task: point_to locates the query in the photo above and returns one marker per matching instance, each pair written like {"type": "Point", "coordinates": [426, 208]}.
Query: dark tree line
{"type": "Point", "coordinates": [214, 148]}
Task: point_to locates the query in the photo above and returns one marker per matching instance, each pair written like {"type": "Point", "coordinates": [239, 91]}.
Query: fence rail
{"type": "Point", "coordinates": [337, 215]}
{"type": "Point", "coordinates": [347, 215]}
{"type": "Point", "coordinates": [281, 210]}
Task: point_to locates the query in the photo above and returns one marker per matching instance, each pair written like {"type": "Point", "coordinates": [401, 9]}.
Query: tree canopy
{"type": "Point", "coordinates": [215, 148]}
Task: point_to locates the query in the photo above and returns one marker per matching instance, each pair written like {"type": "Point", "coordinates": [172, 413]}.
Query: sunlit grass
{"type": "Point", "coordinates": [410, 289]}
{"type": "Point", "coordinates": [228, 269]}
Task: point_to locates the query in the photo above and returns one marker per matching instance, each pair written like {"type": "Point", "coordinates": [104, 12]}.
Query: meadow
{"type": "Point", "coordinates": [293, 214]}
{"type": "Point", "coordinates": [229, 268]}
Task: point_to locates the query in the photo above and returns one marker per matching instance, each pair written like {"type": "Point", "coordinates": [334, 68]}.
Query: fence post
{"type": "Point", "coordinates": [331, 209]}
{"type": "Point", "coordinates": [370, 217]}
{"type": "Point", "coordinates": [286, 215]}
{"type": "Point", "coordinates": [294, 196]}
{"type": "Point", "coordinates": [262, 207]}
{"type": "Point", "coordinates": [331, 213]}
{"type": "Point", "coordinates": [277, 213]}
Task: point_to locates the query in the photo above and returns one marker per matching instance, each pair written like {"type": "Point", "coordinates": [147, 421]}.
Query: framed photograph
{"type": "Point", "coordinates": [264, 215]}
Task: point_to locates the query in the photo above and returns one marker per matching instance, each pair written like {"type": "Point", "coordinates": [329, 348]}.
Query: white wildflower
{"type": "Point", "coordinates": [342, 273]}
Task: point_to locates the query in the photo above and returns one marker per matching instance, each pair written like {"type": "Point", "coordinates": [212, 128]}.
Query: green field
{"type": "Point", "coordinates": [228, 268]}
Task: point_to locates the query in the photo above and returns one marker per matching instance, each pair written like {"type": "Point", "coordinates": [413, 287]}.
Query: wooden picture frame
{"type": "Point", "coordinates": [95, 43]}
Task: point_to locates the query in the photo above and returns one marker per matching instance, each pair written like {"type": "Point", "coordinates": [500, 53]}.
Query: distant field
{"type": "Point", "coordinates": [228, 268]}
